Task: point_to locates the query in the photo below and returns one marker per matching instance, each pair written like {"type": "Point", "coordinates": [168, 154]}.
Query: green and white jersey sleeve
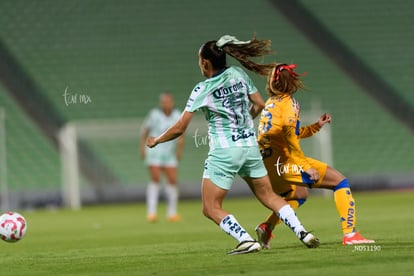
{"type": "Point", "coordinates": [225, 103]}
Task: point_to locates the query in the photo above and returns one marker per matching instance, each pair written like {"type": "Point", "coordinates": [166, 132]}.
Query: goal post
{"type": "Point", "coordinates": [93, 132]}
{"type": "Point", "coordinates": [68, 146]}
{"type": "Point", "coordinates": [4, 186]}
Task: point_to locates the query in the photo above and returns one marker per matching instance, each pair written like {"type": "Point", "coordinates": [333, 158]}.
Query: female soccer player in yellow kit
{"type": "Point", "coordinates": [290, 171]}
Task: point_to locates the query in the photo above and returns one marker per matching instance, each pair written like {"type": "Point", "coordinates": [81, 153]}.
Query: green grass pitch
{"type": "Point", "coordinates": [117, 240]}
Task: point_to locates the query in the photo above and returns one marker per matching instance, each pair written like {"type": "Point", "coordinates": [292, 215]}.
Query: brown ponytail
{"type": "Point", "coordinates": [283, 80]}
{"type": "Point", "coordinates": [243, 53]}
{"type": "Point", "coordinates": [240, 50]}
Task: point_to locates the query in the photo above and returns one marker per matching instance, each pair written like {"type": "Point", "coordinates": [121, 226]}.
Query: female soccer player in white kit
{"type": "Point", "coordinates": [230, 101]}
{"type": "Point", "coordinates": [163, 159]}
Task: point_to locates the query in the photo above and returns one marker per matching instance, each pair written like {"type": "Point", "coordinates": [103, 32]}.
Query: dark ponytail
{"type": "Point", "coordinates": [240, 50]}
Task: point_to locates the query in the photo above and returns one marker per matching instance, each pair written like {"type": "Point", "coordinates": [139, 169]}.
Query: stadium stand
{"type": "Point", "coordinates": [33, 163]}
{"type": "Point", "coordinates": [377, 32]}
{"type": "Point", "coordinates": [121, 55]}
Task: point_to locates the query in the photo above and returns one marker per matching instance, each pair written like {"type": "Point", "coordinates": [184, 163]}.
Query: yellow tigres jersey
{"type": "Point", "coordinates": [279, 130]}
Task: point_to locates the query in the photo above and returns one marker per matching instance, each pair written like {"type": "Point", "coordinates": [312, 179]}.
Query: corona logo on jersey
{"type": "Point", "coordinates": [222, 92]}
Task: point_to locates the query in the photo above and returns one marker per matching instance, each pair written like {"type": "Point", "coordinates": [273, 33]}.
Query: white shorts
{"type": "Point", "coordinates": [161, 158]}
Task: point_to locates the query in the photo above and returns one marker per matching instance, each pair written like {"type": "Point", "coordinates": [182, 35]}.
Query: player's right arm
{"type": "Point", "coordinates": [144, 136]}
{"type": "Point", "coordinates": [173, 132]}
{"type": "Point", "coordinates": [145, 130]}
{"type": "Point", "coordinates": [257, 104]}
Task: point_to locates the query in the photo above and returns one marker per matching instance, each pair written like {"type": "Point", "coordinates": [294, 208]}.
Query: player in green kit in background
{"type": "Point", "coordinates": [230, 101]}
{"type": "Point", "coordinates": [163, 159]}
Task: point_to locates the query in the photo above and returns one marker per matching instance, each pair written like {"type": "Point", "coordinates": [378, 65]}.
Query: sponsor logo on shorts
{"type": "Point", "coordinates": [219, 174]}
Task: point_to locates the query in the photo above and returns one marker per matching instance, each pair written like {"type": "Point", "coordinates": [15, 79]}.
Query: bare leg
{"type": "Point", "coordinates": [155, 173]}
{"type": "Point", "coordinates": [331, 179]}
{"type": "Point", "coordinates": [171, 174]}
{"type": "Point", "coordinates": [213, 197]}
{"type": "Point", "coordinates": [263, 190]}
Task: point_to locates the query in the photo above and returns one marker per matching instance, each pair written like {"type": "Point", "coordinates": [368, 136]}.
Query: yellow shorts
{"type": "Point", "coordinates": [285, 175]}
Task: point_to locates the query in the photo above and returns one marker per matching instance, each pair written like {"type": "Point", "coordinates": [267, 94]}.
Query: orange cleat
{"type": "Point", "coordinates": [152, 218]}
{"type": "Point", "coordinates": [264, 235]}
{"type": "Point", "coordinates": [174, 218]}
{"type": "Point", "coordinates": [356, 238]}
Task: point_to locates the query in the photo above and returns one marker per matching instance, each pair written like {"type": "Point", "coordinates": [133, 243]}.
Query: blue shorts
{"type": "Point", "coordinates": [222, 165]}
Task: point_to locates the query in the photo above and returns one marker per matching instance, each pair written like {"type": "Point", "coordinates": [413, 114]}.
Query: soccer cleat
{"type": "Point", "coordinates": [152, 218]}
{"type": "Point", "coordinates": [174, 218]}
{"type": "Point", "coordinates": [264, 235]}
{"type": "Point", "coordinates": [309, 239]}
{"type": "Point", "coordinates": [245, 247]}
{"type": "Point", "coordinates": [356, 238]}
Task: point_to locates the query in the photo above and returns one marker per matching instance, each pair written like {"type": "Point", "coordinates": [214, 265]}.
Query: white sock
{"type": "Point", "coordinates": [152, 198]}
{"type": "Point", "coordinates": [288, 216]}
{"type": "Point", "coordinates": [231, 226]}
{"type": "Point", "coordinates": [171, 193]}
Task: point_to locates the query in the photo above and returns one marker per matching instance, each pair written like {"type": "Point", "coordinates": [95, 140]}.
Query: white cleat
{"type": "Point", "coordinates": [309, 240]}
{"type": "Point", "coordinates": [245, 247]}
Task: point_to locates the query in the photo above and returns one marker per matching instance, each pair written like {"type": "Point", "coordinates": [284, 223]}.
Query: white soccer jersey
{"type": "Point", "coordinates": [157, 122]}
{"type": "Point", "coordinates": [225, 104]}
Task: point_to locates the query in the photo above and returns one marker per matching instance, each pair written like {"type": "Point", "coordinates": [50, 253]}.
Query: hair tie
{"type": "Point", "coordinates": [228, 39]}
{"type": "Point", "coordinates": [289, 68]}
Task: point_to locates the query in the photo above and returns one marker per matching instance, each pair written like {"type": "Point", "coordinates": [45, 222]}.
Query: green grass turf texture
{"type": "Point", "coordinates": [117, 240]}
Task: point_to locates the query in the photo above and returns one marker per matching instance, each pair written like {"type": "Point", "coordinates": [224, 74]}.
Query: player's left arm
{"type": "Point", "coordinates": [173, 132]}
{"type": "Point", "coordinates": [310, 130]}
{"type": "Point", "coordinates": [145, 131]}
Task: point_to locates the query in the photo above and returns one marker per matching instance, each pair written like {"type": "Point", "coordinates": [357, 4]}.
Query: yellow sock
{"type": "Point", "coordinates": [274, 220]}
{"type": "Point", "coordinates": [345, 204]}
